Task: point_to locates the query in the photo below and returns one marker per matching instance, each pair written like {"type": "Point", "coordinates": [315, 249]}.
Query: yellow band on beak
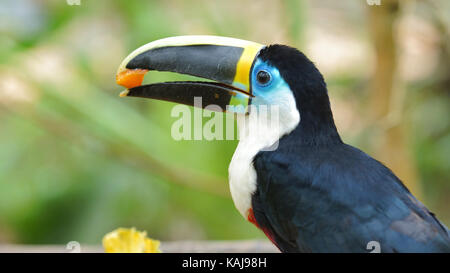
{"type": "Point", "coordinates": [243, 67]}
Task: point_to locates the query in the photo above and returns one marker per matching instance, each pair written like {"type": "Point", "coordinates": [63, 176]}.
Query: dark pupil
{"type": "Point", "coordinates": [263, 77]}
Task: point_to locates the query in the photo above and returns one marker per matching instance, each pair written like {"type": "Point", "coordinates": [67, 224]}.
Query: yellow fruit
{"type": "Point", "coordinates": [126, 240]}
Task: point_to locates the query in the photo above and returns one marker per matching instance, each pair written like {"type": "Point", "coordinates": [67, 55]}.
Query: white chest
{"type": "Point", "coordinates": [256, 133]}
{"type": "Point", "coordinates": [242, 176]}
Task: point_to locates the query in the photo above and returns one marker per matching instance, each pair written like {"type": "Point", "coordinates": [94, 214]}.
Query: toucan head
{"type": "Point", "coordinates": [240, 73]}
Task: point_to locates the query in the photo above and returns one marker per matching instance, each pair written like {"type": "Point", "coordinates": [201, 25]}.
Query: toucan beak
{"type": "Point", "coordinates": [226, 61]}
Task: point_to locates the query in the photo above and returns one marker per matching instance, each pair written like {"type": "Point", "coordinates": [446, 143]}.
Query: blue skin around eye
{"type": "Point", "coordinates": [266, 93]}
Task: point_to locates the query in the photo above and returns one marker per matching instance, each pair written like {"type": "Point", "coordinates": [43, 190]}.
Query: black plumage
{"type": "Point", "coordinates": [317, 194]}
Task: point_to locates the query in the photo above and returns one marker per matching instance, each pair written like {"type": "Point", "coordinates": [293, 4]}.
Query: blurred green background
{"type": "Point", "coordinates": [77, 161]}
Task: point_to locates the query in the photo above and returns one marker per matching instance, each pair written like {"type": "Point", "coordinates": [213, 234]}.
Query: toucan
{"type": "Point", "coordinates": [298, 182]}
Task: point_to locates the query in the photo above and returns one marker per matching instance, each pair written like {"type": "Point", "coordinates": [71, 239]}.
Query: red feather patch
{"type": "Point", "coordinates": [251, 218]}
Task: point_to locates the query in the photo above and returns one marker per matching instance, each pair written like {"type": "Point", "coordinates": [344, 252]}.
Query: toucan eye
{"type": "Point", "coordinates": [263, 77]}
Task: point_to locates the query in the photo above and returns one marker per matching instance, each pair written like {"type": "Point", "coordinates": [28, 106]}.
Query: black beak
{"type": "Point", "coordinates": [224, 60]}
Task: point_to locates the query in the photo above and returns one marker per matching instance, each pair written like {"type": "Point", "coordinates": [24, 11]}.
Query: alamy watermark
{"type": "Point", "coordinates": [73, 2]}
{"type": "Point", "coordinates": [373, 2]}
{"type": "Point", "coordinates": [73, 247]}
{"type": "Point", "coordinates": [374, 247]}
{"type": "Point", "coordinates": [261, 120]}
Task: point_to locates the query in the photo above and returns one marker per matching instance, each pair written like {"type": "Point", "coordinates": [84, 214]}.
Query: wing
{"type": "Point", "coordinates": [338, 200]}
